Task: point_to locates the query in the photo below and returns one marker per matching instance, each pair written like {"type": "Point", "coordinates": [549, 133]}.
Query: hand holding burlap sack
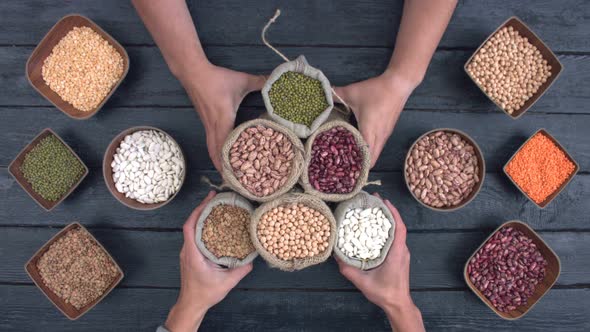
{"type": "Point", "coordinates": [363, 200]}
{"type": "Point", "coordinates": [231, 199]}
{"type": "Point", "coordinates": [297, 263]}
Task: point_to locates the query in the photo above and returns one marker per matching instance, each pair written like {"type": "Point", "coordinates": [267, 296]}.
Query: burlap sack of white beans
{"type": "Point", "coordinates": [298, 263]}
{"type": "Point", "coordinates": [363, 200]}
{"type": "Point", "coordinates": [227, 198]}
{"type": "Point", "coordinates": [299, 65]}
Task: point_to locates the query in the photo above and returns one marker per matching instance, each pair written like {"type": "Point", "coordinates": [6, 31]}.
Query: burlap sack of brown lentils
{"type": "Point", "coordinates": [364, 171]}
{"type": "Point", "coordinates": [288, 199]}
{"type": "Point", "coordinates": [363, 200]}
{"type": "Point", "coordinates": [301, 66]}
{"type": "Point", "coordinates": [227, 198]}
{"type": "Point", "coordinates": [229, 177]}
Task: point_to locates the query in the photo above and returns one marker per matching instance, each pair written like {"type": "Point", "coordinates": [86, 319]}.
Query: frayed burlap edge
{"type": "Point", "coordinates": [230, 179]}
{"type": "Point", "coordinates": [301, 66]}
{"type": "Point", "coordinates": [227, 198]}
{"type": "Point", "coordinates": [364, 201]}
{"type": "Point", "coordinates": [364, 172]}
{"type": "Point", "coordinates": [292, 198]}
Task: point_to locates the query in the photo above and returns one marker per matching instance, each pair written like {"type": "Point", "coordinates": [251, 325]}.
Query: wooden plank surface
{"type": "Point", "coordinates": [145, 309]}
{"type": "Point", "coordinates": [359, 23]}
{"type": "Point", "coordinates": [498, 201]}
{"type": "Point", "coordinates": [446, 86]}
{"type": "Point", "coordinates": [497, 135]}
{"type": "Point", "coordinates": [150, 259]}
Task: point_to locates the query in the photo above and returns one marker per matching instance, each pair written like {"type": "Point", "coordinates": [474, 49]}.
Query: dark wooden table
{"type": "Point", "coordinates": [349, 40]}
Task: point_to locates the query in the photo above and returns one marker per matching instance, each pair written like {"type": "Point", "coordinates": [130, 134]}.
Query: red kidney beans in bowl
{"type": "Point", "coordinates": [507, 269]}
{"type": "Point", "coordinates": [336, 162]}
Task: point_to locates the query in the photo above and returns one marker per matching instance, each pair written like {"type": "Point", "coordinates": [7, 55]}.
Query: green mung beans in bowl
{"type": "Point", "coordinates": [48, 169]}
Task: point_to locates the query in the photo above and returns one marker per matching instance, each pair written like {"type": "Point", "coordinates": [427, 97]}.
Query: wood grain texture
{"type": "Point", "coordinates": [497, 135]}
{"type": "Point", "coordinates": [359, 23]}
{"type": "Point", "coordinates": [498, 201]}
{"type": "Point", "coordinates": [150, 259]}
{"type": "Point", "coordinates": [145, 309]}
{"type": "Point", "coordinates": [446, 86]}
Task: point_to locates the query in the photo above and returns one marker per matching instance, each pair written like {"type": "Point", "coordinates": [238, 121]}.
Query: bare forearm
{"type": "Point", "coordinates": [173, 30]}
{"type": "Point", "coordinates": [185, 318]}
{"type": "Point", "coordinates": [422, 26]}
{"type": "Point", "coordinates": [405, 318]}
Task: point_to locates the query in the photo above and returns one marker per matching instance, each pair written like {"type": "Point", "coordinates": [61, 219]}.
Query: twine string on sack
{"type": "Point", "coordinates": [268, 24]}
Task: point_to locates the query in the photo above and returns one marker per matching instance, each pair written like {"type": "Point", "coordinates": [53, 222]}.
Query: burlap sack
{"type": "Point", "coordinates": [227, 198]}
{"type": "Point", "coordinates": [364, 200]}
{"type": "Point", "coordinates": [296, 264]}
{"type": "Point", "coordinates": [231, 181]}
{"type": "Point", "coordinates": [298, 65]}
{"type": "Point", "coordinates": [366, 165]}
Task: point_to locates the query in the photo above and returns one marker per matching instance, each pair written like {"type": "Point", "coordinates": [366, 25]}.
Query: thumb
{"type": "Point", "coordinates": [236, 274]}
{"type": "Point", "coordinates": [255, 82]}
{"type": "Point", "coordinates": [353, 274]}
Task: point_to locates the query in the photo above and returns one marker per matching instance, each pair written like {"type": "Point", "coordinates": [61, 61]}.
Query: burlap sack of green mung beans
{"type": "Point", "coordinates": [226, 198]}
{"type": "Point", "coordinates": [301, 66]}
{"type": "Point", "coordinates": [229, 177]}
{"type": "Point", "coordinates": [364, 171]}
{"type": "Point", "coordinates": [289, 199]}
{"type": "Point", "coordinates": [363, 200]}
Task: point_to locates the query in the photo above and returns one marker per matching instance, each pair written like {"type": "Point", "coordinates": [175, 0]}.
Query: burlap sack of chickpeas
{"type": "Point", "coordinates": [227, 198]}
{"type": "Point", "coordinates": [298, 65]}
{"type": "Point", "coordinates": [363, 200]}
{"type": "Point", "coordinates": [288, 199]}
{"type": "Point", "coordinates": [232, 181]}
{"type": "Point", "coordinates": [365, 165]}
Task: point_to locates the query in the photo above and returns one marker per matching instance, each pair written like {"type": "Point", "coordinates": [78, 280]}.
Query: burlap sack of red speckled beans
{"type": "Point", "coordinates": [261, 160]}
{"type": "Point", "coordinates": [231, 199]}
{"type": "Point", "coordinates": [337, 162]}
{"type": "Point", "coordinates": [308, 231]}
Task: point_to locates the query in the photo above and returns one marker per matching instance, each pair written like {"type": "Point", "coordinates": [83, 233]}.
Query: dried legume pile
{"type": "Point", "coordinates": [442, 169]}
{"type": "Point", "coordinates": [363, 232]}
{"type": "Point", "coordinates": [336, 162]}
{"type": "Point", "coordinates": [509, 69]}
{"type": "Point", "coordinates": [51, 168]}
{"type": "Point", "coordinates": [82, 68]}
{"type": "Point", "coordinates": [540, 167]}
{"type": "Point", "coordinates": [507, 269]}
{"type": "Point", "coordinates": [225, 232]}
{"type": "Point", "coordinates": [261, 159]}
{"type": "Point", "coordinates": [294, 231]}
{"type": "Point", "coordinates": [148, 167]}
{"type": "Point", "coordinates": [77, 269]}
{"type": "Point", "coordinates": [298, 98]}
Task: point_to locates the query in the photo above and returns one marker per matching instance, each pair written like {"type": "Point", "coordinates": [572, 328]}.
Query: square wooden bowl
{"type": "Point", "coordinates": [43, 50]}
{"type": "Point", "coordinates": [67, 309]}
{"type": "Point", "coordinates": [552, 271]}
{"type": "Point", "coordinates": [15, 165]}
{"type": "Point", "coordinates": [556, 66]}
{"type": "Point", "coordinates": [551, 197]}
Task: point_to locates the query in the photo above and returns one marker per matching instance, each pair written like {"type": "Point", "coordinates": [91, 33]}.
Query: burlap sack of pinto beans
{"type": "Point", "coordinates": [296, 263]}
{"type": "Point", "coordinates": [363, 200]}
{"type": "Point", "coordinates": [338, 161]}
{"type": "Point", "coordinates": [252, 169]}
{"type": "Point", "coordinates": [227, 198]}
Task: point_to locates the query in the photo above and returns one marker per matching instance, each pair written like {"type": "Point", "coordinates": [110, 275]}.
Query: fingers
{"type": "Point", "coordinates": [254, 83]}
{"type": "Point", "coordinates": [400, 228]}
{"type": "Point", "coordinates": [188, 229]}
{"type": "Point", "coordinates": [375, 149]}
{"type": "Point", "coordinates": [238, 273]}
{"type": "Point", "coordinates": [351, 273]}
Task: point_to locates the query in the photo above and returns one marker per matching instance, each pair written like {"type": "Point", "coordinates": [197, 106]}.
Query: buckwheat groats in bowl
{"type": "Point", "coordinates": [444, 169]}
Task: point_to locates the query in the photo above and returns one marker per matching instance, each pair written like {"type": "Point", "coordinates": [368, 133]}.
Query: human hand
{"type": "Point", "coordinates": [216, 93]}
{"type": "Point", "coordinates": [377, 104]}
{"type": "Point", "coordinates": [388, 285]}
{"type": "Point", "coordinates": [202, 283]}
